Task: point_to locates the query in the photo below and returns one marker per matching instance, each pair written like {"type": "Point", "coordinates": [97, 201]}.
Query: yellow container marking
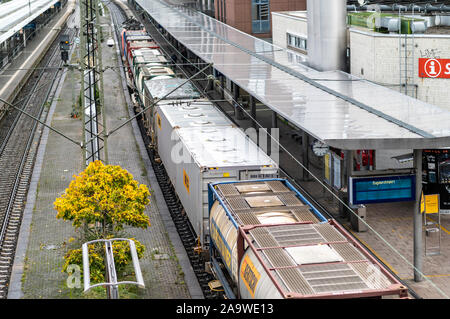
{"type": "Point", "coordinates": [186, 181]}
{"type": "Point", "coordinates": [249, 275]}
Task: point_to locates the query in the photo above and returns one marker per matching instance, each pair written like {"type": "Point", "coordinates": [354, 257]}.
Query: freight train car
{"type": "Point", "coordinates": [265, 239]}
{"type": "Point", "coordinates": [268, 241]}
{"type": "Point", "coordinates": [205, 155]}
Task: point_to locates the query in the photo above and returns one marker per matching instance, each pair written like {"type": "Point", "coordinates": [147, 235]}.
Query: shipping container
{"type": "Point", "coordinates": [173, 114]}
{"type": "Point", "coordinates": [153, 90]}
{"type": "Point", "coordinates": [136, 44]}
{"type": "Point", "coordinates": [204, 155]}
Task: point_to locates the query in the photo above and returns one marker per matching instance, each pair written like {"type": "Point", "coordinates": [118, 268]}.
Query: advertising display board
{"type": "Point", "coordinates": [368, 190]}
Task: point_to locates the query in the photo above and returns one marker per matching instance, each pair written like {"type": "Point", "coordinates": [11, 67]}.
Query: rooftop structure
{"type": "Point", "coordinates": [14, 15]}
{"type": "Point", "coordinates": [339, 109]}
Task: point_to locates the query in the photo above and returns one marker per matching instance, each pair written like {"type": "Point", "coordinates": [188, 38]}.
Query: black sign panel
{"type": "Point", "coordinates": [436, 166]}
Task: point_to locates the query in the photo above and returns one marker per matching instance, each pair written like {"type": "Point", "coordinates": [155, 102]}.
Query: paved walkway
{"type": "Point", "coordinates": [38, 275]}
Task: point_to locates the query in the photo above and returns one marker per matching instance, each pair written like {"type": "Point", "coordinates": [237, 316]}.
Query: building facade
{"type": "Point", "coordinates": [386, 58]}
{"type": "Point", "coordinates": [253, 16]}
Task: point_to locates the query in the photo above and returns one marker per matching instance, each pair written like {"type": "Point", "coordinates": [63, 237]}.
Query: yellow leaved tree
{"type": "Point", "coordinates": [104, 198]}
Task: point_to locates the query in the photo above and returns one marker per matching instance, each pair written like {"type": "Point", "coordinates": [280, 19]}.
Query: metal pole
{"type": "Point", "coordinates": [305, 150]}
{"type": "Point", "coordinates": [274, 119]}
{"type": "Point", "coordinates": [102, 96]}
{"type": "Point", "coordinates": [418, 245]}
{"type": "Point", "coordinates": [253, 110]}
{"type": "Point", "coordinates": [112, 290]}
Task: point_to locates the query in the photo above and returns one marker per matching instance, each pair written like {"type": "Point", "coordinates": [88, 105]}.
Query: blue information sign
{"type": "Point", "coordinates": [368, 190]}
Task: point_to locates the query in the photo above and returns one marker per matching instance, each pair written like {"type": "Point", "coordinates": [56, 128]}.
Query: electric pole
{"type": "Point", "coordinates": [91, 84]}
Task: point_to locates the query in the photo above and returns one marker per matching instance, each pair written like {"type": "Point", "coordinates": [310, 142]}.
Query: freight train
{"type": "Point", "coordinates": [262, 237]}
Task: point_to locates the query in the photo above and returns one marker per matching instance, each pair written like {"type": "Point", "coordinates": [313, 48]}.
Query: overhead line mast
{"type": "Point", "coordinates": [92, 100]}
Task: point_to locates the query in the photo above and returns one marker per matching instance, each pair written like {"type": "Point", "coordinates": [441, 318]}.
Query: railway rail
{"type": "Point", "coordinates": [17, 153]}
{"type": "Point", "coordinates": [180, 219]}
{"type": "Point", "coordinates": [171, 197]}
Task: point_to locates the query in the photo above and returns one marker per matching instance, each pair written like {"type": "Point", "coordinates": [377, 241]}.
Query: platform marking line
{"type": "Point", "coordinates": [442, 227]}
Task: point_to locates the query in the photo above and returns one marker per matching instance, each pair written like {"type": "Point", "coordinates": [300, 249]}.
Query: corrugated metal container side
{"type": "Point", "coordinates": [171, 114]}
{"type": "Point", "coordinates": [202, 156]}
{"type": "Point", "coordinates": [159, 89]}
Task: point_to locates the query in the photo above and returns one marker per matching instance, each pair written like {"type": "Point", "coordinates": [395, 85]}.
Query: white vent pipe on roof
{"type": "Point", "coordinates": [327, 34]}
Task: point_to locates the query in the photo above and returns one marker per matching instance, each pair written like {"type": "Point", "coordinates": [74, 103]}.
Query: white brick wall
{"type": "Point", "coordinates": [378, 56]}
{"type": "Point", "coordinates": [375, 56]}
{"type": "Point", "coordinates": [283, 23]}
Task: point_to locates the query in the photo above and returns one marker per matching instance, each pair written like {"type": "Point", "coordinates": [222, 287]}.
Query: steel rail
{"type": "Point", "coordinates": [20, 176]}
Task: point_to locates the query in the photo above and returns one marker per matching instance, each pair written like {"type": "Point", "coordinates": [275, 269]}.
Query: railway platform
{"type": "Point", "coordinates": [44, 239]}
{"type": "Point", "coordinates": [390, 226]}
{"type": "Point", "coordinates": [13, 75]}
{"type": "Point", "coordinates": [389, 234]}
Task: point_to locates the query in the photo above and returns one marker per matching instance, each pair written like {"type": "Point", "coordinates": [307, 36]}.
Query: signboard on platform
{"type": "Point", "coordinates": [430, 204]}
{"type": "Point", "coordinates": [385, 189]}
{"type": "Point", "coordinates": [327, 164]}
{"type": "Point", "coordinates": [434, 68]}
{"type": "Point", "coordinates": [336, 171]}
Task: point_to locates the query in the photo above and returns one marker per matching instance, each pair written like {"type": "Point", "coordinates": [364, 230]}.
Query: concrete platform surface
{"type": "Point", "coordinates": [37, 273]}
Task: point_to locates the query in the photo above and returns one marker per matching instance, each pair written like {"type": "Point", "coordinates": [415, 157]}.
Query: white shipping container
{"type": "Point", "coordinates": [204, 155]}
{"type": "Point", "coordinates": [173, 114]}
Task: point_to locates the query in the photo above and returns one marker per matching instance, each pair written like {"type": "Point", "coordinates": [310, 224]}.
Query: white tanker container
{"type": "Point", "coordinates": [274, 244]}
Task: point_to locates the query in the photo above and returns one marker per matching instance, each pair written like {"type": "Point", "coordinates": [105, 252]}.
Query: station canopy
{"type": "Point", "coordinates": [337, 108]}
{"type": "Point", "coordinates": [16, 14]}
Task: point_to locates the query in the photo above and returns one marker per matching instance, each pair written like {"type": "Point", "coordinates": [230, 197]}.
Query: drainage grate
{"type": "Point", "coordinates": [263, 237]}
{"type": "Point", "coordinates": [329, 232]}
{"type": "Point", "coordinates": [332, 278]}
{"type": "Point", "coordinates": [348, 252]}
{"type": "Point", "coordinates": [228, 189]}
{"type": "Point", "coordinates": [290, 235]}
{"type": "Point", "coordinates": [247, 218]}
{"type": "Point", "coordinates": [294, 281]}
{"type": "Point", "coordinates": [277, 187]}
{"type": "Point", "coordinates": [290, 200]}
{"type": "Point", "coordinates": [237, 203]}
{"type": "Point", "coordinates": [304, 214]}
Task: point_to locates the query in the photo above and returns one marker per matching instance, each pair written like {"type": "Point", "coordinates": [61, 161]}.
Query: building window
{"type": "Point", "coordinates": [297, 42]}
{"type": "Point", "coordinates": [260, 16]}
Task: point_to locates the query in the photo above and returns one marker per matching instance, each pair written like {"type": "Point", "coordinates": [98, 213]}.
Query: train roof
{"type": "Point", "coordinates": [223, 147]}
{"type": "Point", "coordinates": [191, 113]}
{"type": "Point", "coordinates": [246, 202]}
{"type": "Point", "coordinates": [161, 88]}
{"type": "Point", "coordinates": [308, 257]}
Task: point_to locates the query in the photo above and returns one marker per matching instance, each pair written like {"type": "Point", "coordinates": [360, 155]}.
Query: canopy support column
{"type": "Point", "coordinates": [418, 244]}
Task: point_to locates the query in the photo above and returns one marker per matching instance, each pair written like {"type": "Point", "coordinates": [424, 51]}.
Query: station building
{"type": "Point", "coordinates": [253, 17]}
{"type": "Point", "coordinates": [19, 22]}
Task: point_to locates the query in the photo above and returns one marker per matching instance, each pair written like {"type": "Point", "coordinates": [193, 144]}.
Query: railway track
{"type": "Point", "coordinates": [180, 219]}
{"type": "Point", "coordinates": [171, 200]}
{"type": "Point", "coordinates": [17, 153]}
